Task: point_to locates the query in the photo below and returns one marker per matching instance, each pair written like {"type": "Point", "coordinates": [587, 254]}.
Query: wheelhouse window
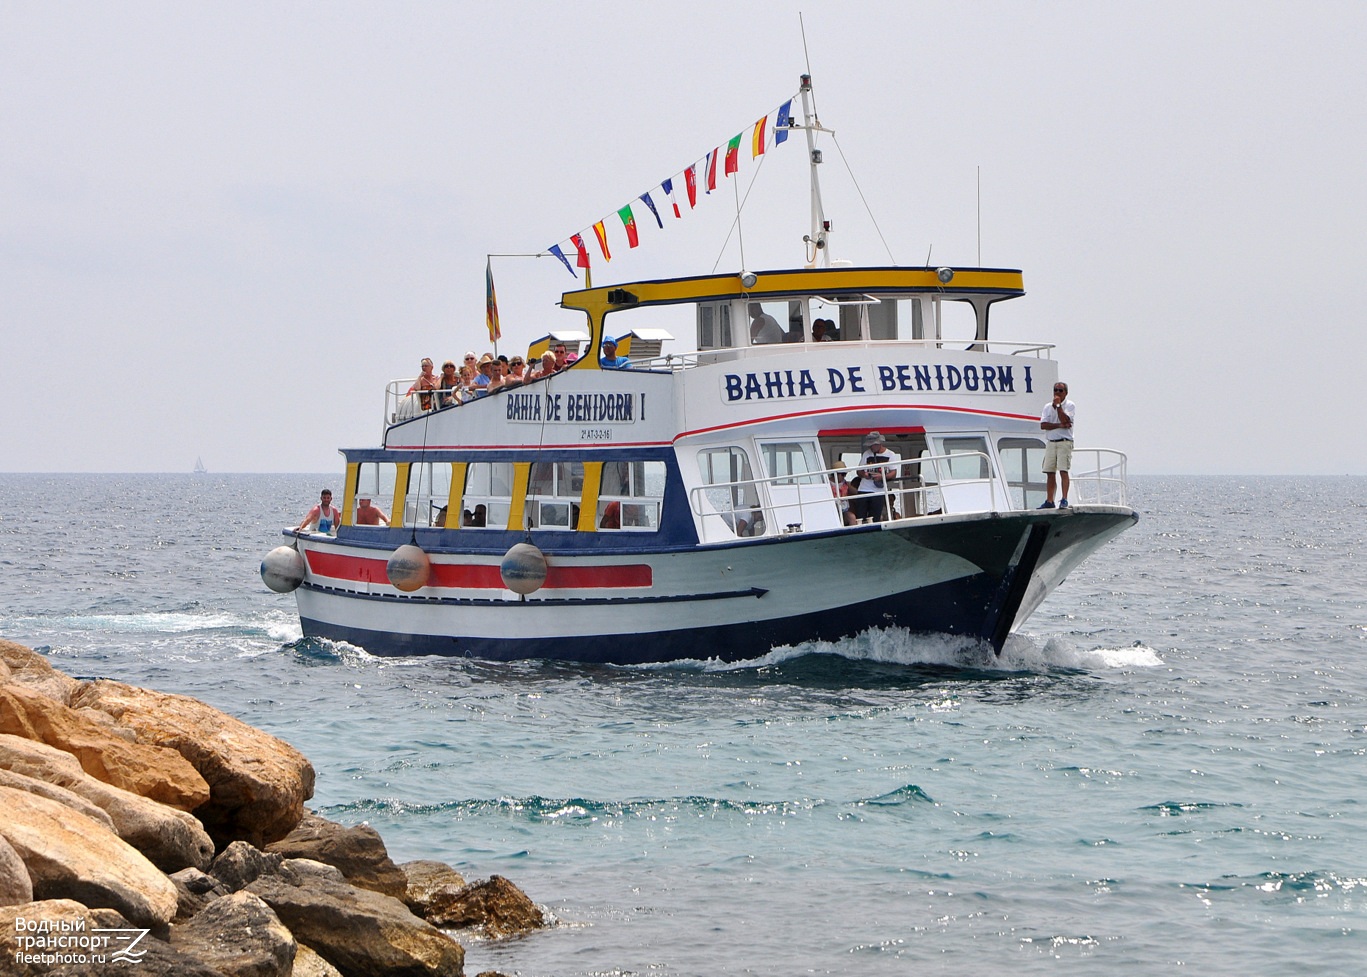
{"type": "Point", "coordinates": [554, 490]}
{"type": "Point", "coordinates": [631, 495]}
{"type": "Point", "coordinates": [488, 495]}
{"type": "Point", "coordinates": [714, 326]}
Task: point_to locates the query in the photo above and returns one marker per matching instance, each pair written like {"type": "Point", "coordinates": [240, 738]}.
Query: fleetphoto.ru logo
{"type": "Point", "coordinates": [57, 942]}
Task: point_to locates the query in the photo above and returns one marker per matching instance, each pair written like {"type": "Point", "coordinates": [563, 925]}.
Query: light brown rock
{"type": "Point", "coordinates": [238, 935]}
{"type": "Point", "coordinates": [150, 771]}
{"type": "Point", "coordinates": [69, 856]}
{"type": "Point", "coordinates": [361, 933]}
{"type": "Point", "coordinates": [307, 963]}
{"type": "Point", "coordinates": [53, 912]}
{"type": "Point", "coordinates": [171, 839]}
{"type": "Point", "coordinates": [495, 906]}
{"type": "Point", "coordinates": [24, 666]}
{"type": "Point", "coordinates": [8, 778]}
{"type": "Point", "coordinates": [257, 783]}
{"type": "Point", "coordinates": [15, 887]}
{"type": "Point", "coordinates": [358, 851]}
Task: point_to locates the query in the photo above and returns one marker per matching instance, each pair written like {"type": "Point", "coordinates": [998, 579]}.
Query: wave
{"type": "Point", "coordinates": [585, 810]}
{"type": "Point", "coordinates": [898, 646]}
{"type": "Point", "coordinates": [277, 626]}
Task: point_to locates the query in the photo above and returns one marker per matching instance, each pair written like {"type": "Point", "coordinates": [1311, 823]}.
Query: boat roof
{"type": "Point", "coordinates": [990, 284]}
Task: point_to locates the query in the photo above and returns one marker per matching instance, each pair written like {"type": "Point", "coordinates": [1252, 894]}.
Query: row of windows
{"type": "Point", "coordinates": [561, 495]}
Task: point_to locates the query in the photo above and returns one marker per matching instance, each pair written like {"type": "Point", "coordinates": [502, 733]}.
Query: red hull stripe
{"type": "Point", "coordinates": [477, 576]}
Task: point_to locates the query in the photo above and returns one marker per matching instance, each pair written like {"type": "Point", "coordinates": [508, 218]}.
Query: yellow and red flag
{"type": "Point", "coordinates": [491, 304]}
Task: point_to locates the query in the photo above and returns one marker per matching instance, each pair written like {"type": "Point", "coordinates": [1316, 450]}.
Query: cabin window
{"type": "Point", "coordinates": [967, 458]}
{"type": "Point", "coordinates": [958, 323]}
{"type": "Point", "coordinates": [714, 326]}
{"type": "Point", "coordinates": [375, 481]}
{"type": "Point", "coordinates": [553, 493]}
{"type": "Point", "coordinates": [631, 495]}
{"type": "Point", "coordinates": [793, 459]}
{"type": "Point", "coordinates": [1022, 459]}
{"type": "Point", "coordinates": [429, 489]}
{"type": "Point", "coordinates": [733, 495]}
{"type": "Point", "coordinates": [488, 495]}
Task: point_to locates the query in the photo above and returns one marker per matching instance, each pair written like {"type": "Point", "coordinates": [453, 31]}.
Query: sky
{"type": "Point", "coordinates": [225, 227]}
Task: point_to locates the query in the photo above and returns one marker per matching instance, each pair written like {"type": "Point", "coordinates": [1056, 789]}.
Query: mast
{"type": "Point", "coordinates": [818, 241]}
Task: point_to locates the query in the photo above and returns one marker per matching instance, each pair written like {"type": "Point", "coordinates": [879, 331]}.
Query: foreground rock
{"type": "Point", "coordinates": [358, 852]}
{"type": "Point", "coordinates": [69, 856]}
{"type": "Point", "coordinates": [151, 771]}
{"type": "Point", "coordinates": [170, 838]}
{"type": "Point", "coordinates": [257, 783]}
{"type": "Point", "coordinates": [361, 932]}
{"type": "Point", "coordinates": [239, 935]}
{"type": "Point", "coordinates": [290, 893]}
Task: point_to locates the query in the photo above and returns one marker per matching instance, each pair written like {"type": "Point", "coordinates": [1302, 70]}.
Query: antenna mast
{"type": "Point", "coordinates": [818, 241]}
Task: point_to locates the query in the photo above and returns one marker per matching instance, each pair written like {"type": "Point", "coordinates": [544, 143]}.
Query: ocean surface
{"type": "Point", "coordinates": [1164, 770]}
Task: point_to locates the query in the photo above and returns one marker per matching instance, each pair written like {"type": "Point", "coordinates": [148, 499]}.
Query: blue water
{"type": "Point", "coordinates": [1165, 770]}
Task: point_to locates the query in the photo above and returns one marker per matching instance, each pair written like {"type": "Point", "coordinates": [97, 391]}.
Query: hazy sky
{"type": "Point", "coordinates": [223, 227]}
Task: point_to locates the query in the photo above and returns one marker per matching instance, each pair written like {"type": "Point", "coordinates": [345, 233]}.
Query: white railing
{"type": "Point", "coordinates": [687, 361]}
{"type": "Point", "coordinates": [807, 502]}
{"type": "Point", "coordinates": [1104, 482]}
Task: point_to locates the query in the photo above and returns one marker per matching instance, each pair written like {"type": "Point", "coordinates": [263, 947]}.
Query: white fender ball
{"type": "Point", "coordinates": [283, 569]}
{"type": "Point", "coordinates": [409, 568]}
{"type": "Point", "coordinates": [523, 569]}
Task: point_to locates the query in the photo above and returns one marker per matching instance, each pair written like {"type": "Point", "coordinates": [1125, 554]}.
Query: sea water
{"type": "Point", "coordinates": [1164, 770]}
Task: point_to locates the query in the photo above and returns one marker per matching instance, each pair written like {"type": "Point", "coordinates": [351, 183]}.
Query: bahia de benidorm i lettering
{"type": "Point", "coordinates": [901, 377]}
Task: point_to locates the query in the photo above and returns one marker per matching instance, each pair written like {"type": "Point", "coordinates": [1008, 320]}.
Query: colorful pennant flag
{"type": "Point", "coordinates": [668, 187]}
{"type": "Point", "coordinates": [759, 141]}
{"type": "Point", "coordinates": [491, 304]}
{"type": "Point", "coordinates": [555, 250]}
{"type": "Point", "coordinates": [601, 233]}
{"type": "Point", "coordinates": [645, 199]}
{"type": "Point", "coordinates": [629, 222]}
{"type": "Point", "coordinates": [733, 154]}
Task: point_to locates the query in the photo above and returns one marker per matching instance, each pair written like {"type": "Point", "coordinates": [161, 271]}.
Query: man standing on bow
{"type": "Point", "coordinates": [1057, 423]}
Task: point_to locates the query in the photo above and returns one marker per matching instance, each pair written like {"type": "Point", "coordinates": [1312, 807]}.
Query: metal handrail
{"type": "Point", "coordinates": [912, 492]}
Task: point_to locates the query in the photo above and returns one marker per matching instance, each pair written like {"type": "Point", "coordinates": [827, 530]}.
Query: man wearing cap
{"type": "Point", "coordinates": [610, 360]}
{"type": "Point", "coordinates": [877, 466]}
{"type": "Point", "coordinates": [367, 514]}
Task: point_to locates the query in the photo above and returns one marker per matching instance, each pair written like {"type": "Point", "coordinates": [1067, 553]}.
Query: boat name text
{"type": "Point", "coordinates": [576, 408]}
{"type": "Point", "coordinates": [775, 384]}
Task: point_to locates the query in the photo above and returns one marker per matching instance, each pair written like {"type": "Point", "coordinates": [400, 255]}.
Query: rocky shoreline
{"type": "Point", "coordinates": [140, 827]}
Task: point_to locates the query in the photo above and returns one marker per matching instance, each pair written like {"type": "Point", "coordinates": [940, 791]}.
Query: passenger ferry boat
{"type": "Point", "coordinates": [689, 507]}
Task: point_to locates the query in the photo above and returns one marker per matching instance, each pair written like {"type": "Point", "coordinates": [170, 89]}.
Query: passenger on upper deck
{"type": "Point", "coordinates": [764, 328]}
{"type": "Point", "coordinates": [427, 380]}
{"type": "Point", "coordinates": [563, 357]}
{"type": "Point", "coordinates": [517, 369]}
{"type": "Point", "coordinates": [485, 376]}
{"type": "Point", "coordinates": [449, 385]}
{"type": "Point", "coordinates": [610, 360]}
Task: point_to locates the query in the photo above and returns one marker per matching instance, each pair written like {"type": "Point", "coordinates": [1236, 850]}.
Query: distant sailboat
{"type": "Point", "coordinates": [199, 467]}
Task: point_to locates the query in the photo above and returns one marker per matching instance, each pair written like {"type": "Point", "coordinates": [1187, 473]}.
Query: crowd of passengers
{"type": "Point", "coordinates": [480, 376]}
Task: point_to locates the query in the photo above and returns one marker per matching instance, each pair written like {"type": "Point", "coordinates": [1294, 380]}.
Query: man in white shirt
{"type": "Point", "coordinates": [1057, 423]}
{"type": "Point", "coordinates": [764, 328]}
{"type": "Point", "coordinates": [877, 467]}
